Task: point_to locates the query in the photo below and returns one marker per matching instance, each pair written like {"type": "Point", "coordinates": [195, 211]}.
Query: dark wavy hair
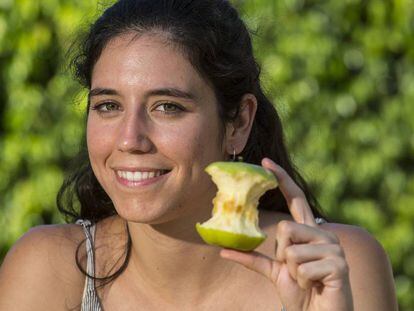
{"type": "Point", "coordinates": [217, 43]}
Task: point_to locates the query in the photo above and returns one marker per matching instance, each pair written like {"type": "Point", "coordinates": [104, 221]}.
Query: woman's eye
{"type": "Point", "coordinates": [106, 107]}
{"type": "Point", "coordinates": [169, 108]}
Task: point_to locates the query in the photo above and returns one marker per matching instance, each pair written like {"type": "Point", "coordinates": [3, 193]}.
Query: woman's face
{"type": "Point", "coordinates": [151, 113]}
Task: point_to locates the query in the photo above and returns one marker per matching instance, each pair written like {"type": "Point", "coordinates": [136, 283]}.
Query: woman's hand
{"type": "Point", "coordinates": [309, 270]}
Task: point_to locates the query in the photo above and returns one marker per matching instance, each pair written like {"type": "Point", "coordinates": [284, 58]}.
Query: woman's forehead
{"type": "Point", "coordinates": [144, 61]}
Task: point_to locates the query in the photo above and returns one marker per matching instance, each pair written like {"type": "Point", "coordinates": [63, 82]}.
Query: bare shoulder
{"type": "Point", "coordinates": [357, 243]}
{"type": "Point", "coordinates": [40, 272]}
{"type": "Point", "coordinates": [360, 247]}
{"type": "Point", "coordinates": [355, 240]}
{"type": "Point", "coordinates": [370, 270]}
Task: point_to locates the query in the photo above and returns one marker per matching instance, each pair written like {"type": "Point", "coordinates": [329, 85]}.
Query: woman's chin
{"type": "Point", "coordinates": [145, 213]}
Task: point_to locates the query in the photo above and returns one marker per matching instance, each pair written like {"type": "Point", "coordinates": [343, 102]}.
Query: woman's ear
{"type": "Point", "coordinates": [238, 131]}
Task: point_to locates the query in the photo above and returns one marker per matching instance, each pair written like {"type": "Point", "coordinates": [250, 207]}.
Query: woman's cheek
{"type": "Point", "coordinates": [181, 140]}
{"type": "Point", "coordinates": [100, 142]}
{"type": "Point", "coordinates": [98, 134]}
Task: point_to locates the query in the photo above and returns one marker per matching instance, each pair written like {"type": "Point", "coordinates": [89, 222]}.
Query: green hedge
{"type": "Point", "coordinates": [340, 73]}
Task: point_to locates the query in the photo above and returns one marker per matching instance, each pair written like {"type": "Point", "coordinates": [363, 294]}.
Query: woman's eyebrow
{"type": "Point", "coordinates": [101, 91]}
{"type": "Point", "coordinates": [172, 92]}
{"type": "Point", "coordinates": [168, 91]}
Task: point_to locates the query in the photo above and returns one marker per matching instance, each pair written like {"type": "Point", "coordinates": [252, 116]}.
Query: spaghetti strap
{"type": "Point", "coordinates": [320, 221]}
{"type": "Point", "coordinates": [90, 299]}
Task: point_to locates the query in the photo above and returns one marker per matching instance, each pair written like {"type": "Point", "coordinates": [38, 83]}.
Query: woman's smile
{"type": "Point", "coordinates": [134, 177]}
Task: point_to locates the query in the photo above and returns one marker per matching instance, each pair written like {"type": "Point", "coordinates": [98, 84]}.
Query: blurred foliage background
{"type": "Point", "coordinates": [340, 73]}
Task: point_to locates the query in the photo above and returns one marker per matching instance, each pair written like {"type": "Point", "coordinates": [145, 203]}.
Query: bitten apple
{"type": "Point", "coordinates": [235, 217]}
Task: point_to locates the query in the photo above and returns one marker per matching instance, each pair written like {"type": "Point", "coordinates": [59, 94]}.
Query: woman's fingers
{"type": "Point", "coordinates": [297, 244]}
{"type": "Point", "coordinates": [329, 272]}
{"type": "Point", "coordinates": [290, 232]}
{"type": "Point", "coordinates": [310, 252]}
{"type": "Point", "coordinates": [296, 255]}
{"type": "Point", "coordinates": [313, 265]}
{"type": "Point", "coordinates": [295, 198]}
{"type": "Point", "coordinates": [254, 261]}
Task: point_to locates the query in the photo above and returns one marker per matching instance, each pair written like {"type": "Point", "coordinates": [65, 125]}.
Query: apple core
{"type": "Point", "coordinates": [235, 217]}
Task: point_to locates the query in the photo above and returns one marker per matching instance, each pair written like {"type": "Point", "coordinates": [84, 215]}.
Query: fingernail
{"type": "Point", "coordinates": [270, 163]}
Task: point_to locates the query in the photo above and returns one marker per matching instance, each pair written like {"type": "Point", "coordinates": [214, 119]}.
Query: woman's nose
{"type": "Point", "coordinates": [133, 136]}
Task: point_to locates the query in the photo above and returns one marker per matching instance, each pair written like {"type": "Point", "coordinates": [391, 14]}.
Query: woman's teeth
{"type": "Point", "coordinates": [139, 176]}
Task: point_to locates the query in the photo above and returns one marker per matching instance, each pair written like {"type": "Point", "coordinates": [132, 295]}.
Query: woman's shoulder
{"type": "Point", "coordinates": [40, 270]}
{"type": "Point", "coordinates": [368, 264]}
{"type": "Point", "coordinates": [351, 237]}
{"type": "Point", "coordinates": [48, 242]}
{"type": "Point", "coordinates": [357, 243]}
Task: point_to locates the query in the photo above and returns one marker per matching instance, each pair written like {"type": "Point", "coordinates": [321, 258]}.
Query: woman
{"type": "Point", "coordinates": [174, 86]}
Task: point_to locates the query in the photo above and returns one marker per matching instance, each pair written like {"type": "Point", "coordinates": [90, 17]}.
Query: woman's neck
{"type": "Point", "coordinates": [174, 264]}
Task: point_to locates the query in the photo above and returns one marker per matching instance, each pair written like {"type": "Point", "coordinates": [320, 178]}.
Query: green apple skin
{"type": "Point", "coordinates": [227, 239]}
{"type": "Point", "coordinates": [234, 221]}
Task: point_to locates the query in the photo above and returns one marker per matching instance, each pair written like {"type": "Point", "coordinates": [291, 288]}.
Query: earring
{"type": "Point", "coordinates": [234, 159]}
